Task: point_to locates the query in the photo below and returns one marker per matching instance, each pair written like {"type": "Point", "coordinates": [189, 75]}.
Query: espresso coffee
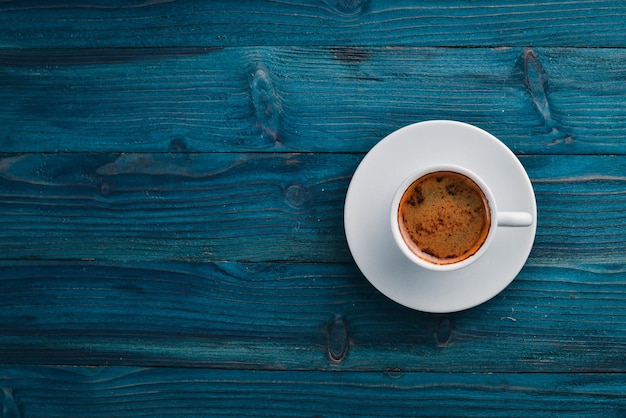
{"type": "Point", "coordinates": [444, 217]}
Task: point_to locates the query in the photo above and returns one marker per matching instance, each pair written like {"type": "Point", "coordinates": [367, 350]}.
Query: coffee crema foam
{"type": "Point", "coordinates": [444, 217]}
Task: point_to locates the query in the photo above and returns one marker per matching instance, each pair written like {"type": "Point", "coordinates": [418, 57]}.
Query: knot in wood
{"type": "Point", "coordinates": [338, 340]}
{"type": "Point", "coordinates": [296, 195]}
{"type": "Point", "coordinates": [351, 7]}
{"type": "Point", "coordinates": [444, 331]}
{"type": "Point", "coordinates": [104, 189]}
{"type": "Point", "coordinates": [178, 144]}
{"type": "Point", "coordinates": [536, 83]}
{"type": "Point", "coordinates": [267, 107]}
{"type": "Point", "coordinates": [394, 372]}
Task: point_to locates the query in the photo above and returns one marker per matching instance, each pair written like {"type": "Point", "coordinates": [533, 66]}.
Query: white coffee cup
{"type": "Point", "coordinates": [496, 219]}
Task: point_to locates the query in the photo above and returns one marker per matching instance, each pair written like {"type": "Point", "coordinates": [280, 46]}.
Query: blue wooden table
{"type": "Point", "coordinates": [172, 181]}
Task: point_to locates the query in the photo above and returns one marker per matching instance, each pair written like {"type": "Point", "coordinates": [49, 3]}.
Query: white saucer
{"type": "Point", "coordinates": [368, 230]}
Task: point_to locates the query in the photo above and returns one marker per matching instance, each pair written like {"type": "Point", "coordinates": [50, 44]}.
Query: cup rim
{"type": "Point", "coordinates": [395, 230]}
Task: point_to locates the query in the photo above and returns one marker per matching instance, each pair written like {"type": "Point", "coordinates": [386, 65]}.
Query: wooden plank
{"type": "Point", "coordinates": [202, 207]}
{"type": "Point", "coordinates": [138, 392]}
{"type": "Point", "coordinates": [544, 100]}
{"type": "Point", "coordinates": [337, 22]}
{"type": "Point", "coordinates": [259, 207]}
{"type": "Point", "coordinates": [290, 316]}
{"type": "Point", "coordinates": [580, 203]}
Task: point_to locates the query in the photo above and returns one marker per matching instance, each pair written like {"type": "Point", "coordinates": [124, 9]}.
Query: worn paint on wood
{"type": "Point", "coordinates": [259, 207]}
{"type": "Point", "coordinates": [137, 392]}
{"type": "Point", "coordinates": [296, 316]}
{"type": "Point", "coordinates": [172, 181]}
{"type": "Point", "coordinates": [300, 22]}
{"type": "Point", "coordinates": [536, 100]}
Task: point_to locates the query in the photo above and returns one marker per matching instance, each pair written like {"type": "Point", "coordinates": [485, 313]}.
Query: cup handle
{"type": "Point", "coordinates": [514, 219]}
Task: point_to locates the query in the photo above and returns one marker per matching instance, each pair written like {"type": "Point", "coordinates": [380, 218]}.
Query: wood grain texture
{"type": "Point", "coordinates": [172, 181]}
{"type": "Point", "coordinates": [202, 207]}
{"type": "Point", "coordinates": [286, 99]}
{"type": "Point", "coordinates": [292, 316]}
{"type": "Point", "coordinates": [259, 207]}
{"type": "Point", "coordinates": [139, 392]}
{"type": "Point", "coordinates": [326, 22]}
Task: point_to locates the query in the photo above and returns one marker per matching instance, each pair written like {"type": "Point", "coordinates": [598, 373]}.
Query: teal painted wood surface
{"type": "Point", "coordinates": [302, 99]}
{"type": "Point", "coordinates": [172, 180]}
{"type": "Point", "coordinates": [325, 22]}
{"type": "Point", "coordinates": [288, 316]}
{"type": "Point", "coordinates": [139, 392]}
{"type": "Point", "coordinates": [262, 207]}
